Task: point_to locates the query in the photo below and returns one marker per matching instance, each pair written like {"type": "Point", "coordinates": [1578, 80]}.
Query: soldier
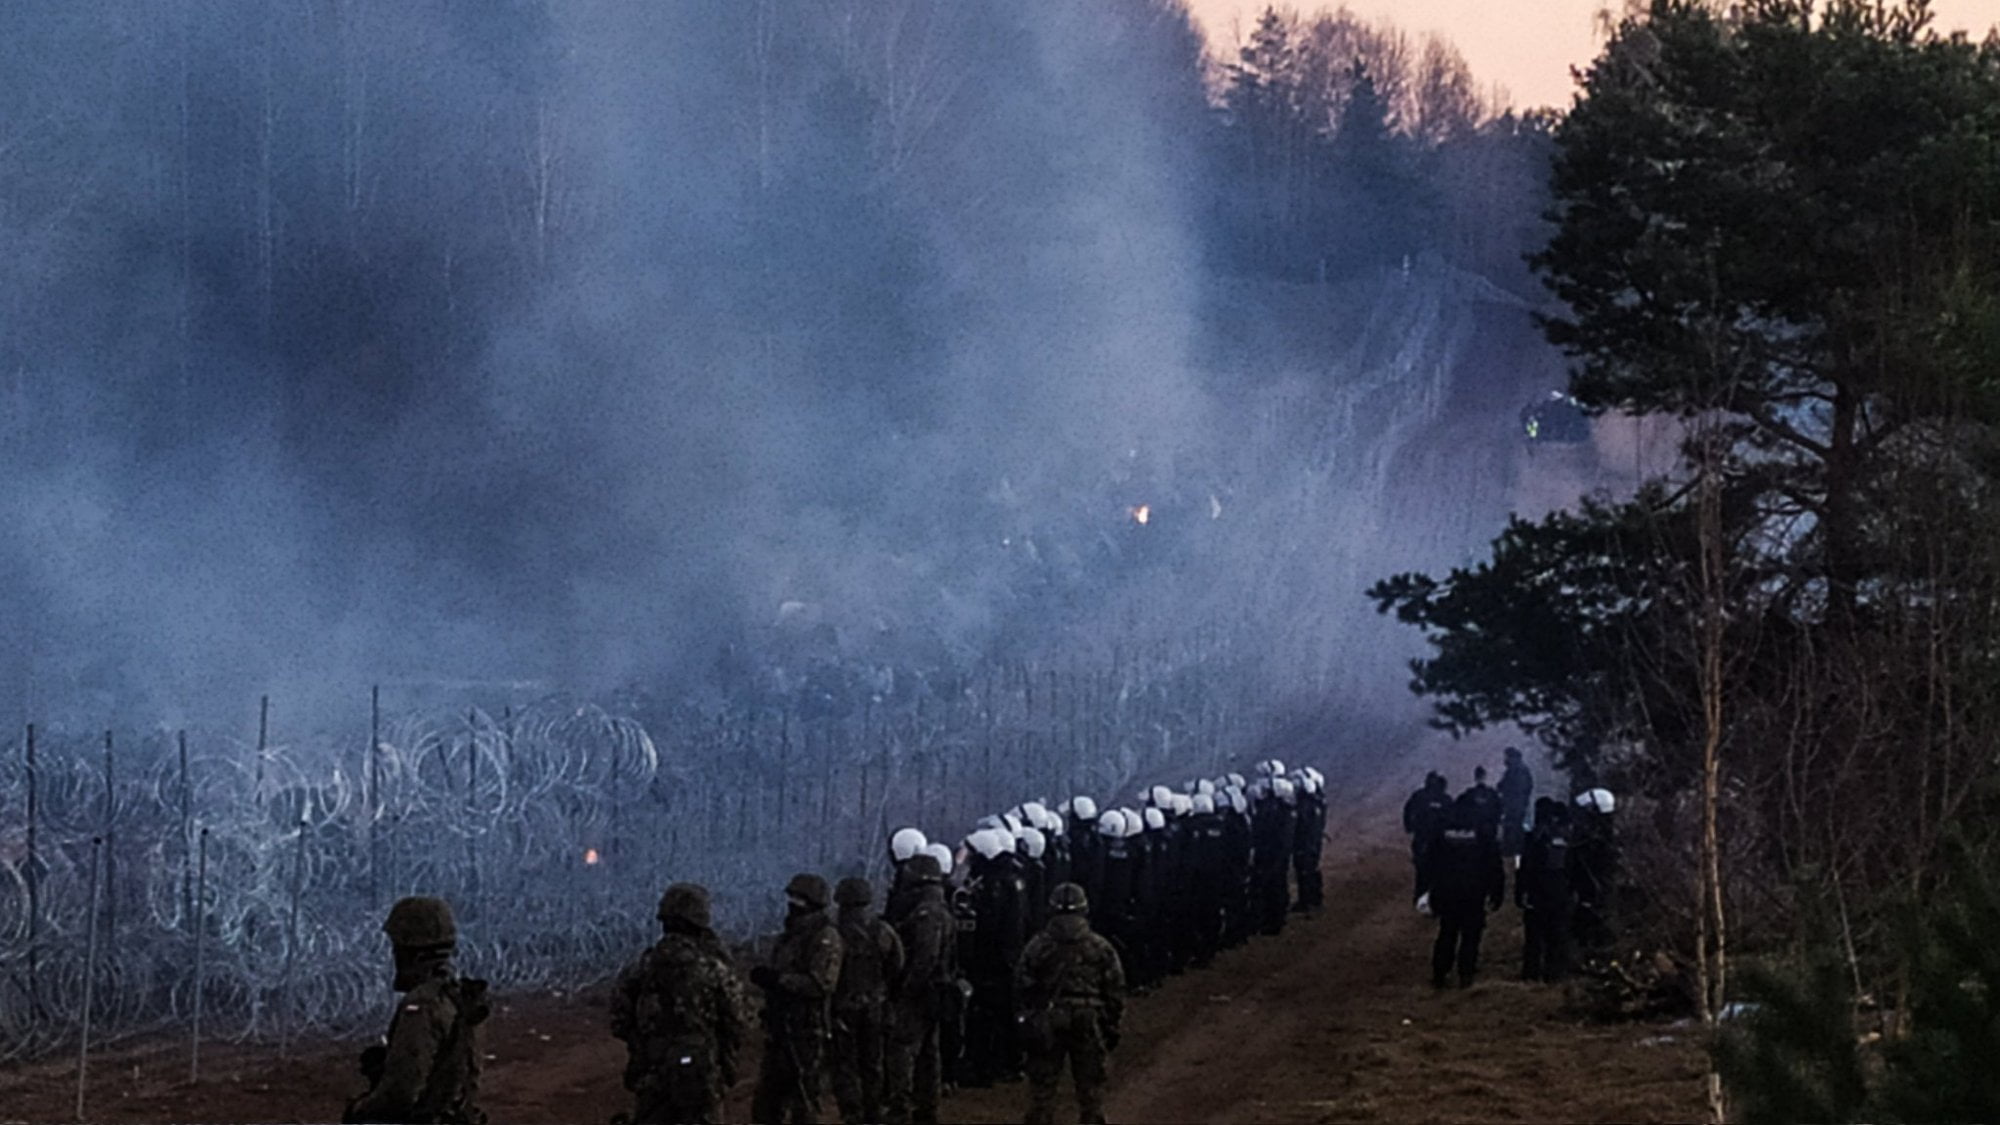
{"type": "Point", "coordinates": [1545, 894]}
{"type": "Point", "coordinates": [1071, 990]}
{"type": "Point", "coordinates": [1464, 879]}
{"type": "Point", "coordinates": [427, 1070]}
{"type": "Point", "coordinates": [1308, 840]}
{"type": "Point", "coordinates": [870, 969]}
{"type": "Point", "coordinates": [680, 1011]}
{"type": "Point", "coordinates": [798, 985]}
{"type": "Point", "coordinates": [913, 1077]}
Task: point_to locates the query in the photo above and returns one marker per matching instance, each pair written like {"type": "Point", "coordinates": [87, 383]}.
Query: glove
{"type": "Point", "coordinates": [764, 977]}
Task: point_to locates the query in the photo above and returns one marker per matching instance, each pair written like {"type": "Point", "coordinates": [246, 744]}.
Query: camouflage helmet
{"type": "Point", "coordinates": [420, 922]}
{"type": "Point", "coordinates": [810, 889]}
{"type": "Point", "coordinates": [685, 903]}
{"type": "Point", "coordinates": [924, 868]}
{"type": "Point", "coordinates": [1068, 898]}
{"type": "Point", "coordinates": [853, 891]}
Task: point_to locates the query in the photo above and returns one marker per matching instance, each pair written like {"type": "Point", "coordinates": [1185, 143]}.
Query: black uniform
{"type": "Point", "coordinates": [1307, 841]}
{"type": "Point", "coordinates": [1485, 802]}
{"type": "Point", "coordinates": [1272, 827]}
{"type": "Point", "coordinates": [999, 896]}
{"type": "Point", "coordinates": [1423, 819]}
{"type": "Point", "coordinates": [1208, 879]}
{"type": "Point", "coordinates": [1237, 920]}
{"type": "Point", "coordinates": [1545, 895]}
{"type": "Point", "coordinates": [1464, 878]}
{"type": "Point", "coordinates": [1594, 875]}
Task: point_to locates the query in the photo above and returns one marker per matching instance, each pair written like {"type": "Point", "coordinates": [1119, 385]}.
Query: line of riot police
{"type": "Point", "coordinates": [1012, 953]}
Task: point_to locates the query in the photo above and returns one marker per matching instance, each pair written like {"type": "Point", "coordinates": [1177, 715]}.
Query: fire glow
{"type": "Point", "coordinates": [1143, 514]}
{"type": "Point", "coordinates": [590, 857]}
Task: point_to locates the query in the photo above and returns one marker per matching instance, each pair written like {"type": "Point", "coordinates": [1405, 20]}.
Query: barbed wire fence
{"type": "Point", "coordinates": [233, 890]}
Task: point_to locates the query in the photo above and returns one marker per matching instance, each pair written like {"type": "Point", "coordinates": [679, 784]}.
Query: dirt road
{"type": "Point", "coordinates": [1332, 1021]}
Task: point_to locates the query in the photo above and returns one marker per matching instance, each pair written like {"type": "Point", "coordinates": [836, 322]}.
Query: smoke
{"type": "Point", "coordinates": [567, 343]}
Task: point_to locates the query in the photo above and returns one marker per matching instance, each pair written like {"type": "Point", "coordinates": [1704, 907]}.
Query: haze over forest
{"type": "Point", "coordinates": [590, 346]}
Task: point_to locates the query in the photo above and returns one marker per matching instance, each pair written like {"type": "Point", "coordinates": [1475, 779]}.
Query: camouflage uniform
{"type": "Point", "coordinates": [427, 1071]}
{"type": "Point", "coordinates": [679, 1009]}
{"type": "Point", "coordinates": [798, 985]}
{"type": "Point", "coordinates": [1071, 988]}
{"type": "Point", "coordinates": [871, 967]}
{"type": "Point", "coordinates": [929, 933]}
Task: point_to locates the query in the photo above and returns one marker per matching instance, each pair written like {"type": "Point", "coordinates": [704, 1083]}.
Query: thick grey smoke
{"type": "Point", "coordinates": [594, 344]}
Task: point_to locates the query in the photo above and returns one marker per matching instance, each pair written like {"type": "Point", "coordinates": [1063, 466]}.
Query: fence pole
{"type": "Point", "coordinates": [291, 945]}
{"type": "Point", "coordinates": [374, 795]}
{"type": "Point", "coordinates": [34, 883]}
{"type": "Point", "coordinates": [187, 833]}
{"type": "Point", "coordinates": [89, 979]}
{"type": "Point", "coordinates": [263, 737]}
{"type": "Point", "coordinates": [110, 848]}
{"type": "Point", "coordinates": [200, 932]}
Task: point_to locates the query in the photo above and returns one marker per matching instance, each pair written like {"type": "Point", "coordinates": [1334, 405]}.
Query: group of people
{"type": "Point", "coordinates": [1564, 861]}
{"type": "Point", "coordinates": [1010, 954]}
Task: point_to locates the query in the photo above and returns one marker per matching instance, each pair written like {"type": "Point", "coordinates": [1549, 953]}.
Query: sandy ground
{"type": "Point", "coordinates": [1332, 1021]}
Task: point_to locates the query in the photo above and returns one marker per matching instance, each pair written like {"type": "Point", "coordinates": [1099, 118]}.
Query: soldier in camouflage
{"type": "Point", "coordinates": [680, 1010]}
{"type": "Point", "coordinates": [1071, 988]}
{"type": "Point", "coordinates": [870, 970]}
{"type": "Point", "coordinates": [798, 984]}
{"type": "Point", "coordinates": [914, 1073]}
{"type": "Point", "coordinates": [427, 1069]}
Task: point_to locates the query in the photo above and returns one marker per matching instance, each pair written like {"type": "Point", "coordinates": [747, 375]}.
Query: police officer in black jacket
{"type": "Point", "coordinates": [1546, 895]}
{"type": "Point", "coordinates": [1464, 879]}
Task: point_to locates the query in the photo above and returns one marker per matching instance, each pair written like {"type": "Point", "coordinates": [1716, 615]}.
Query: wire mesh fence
{"type": "Point", "coordinates": [235, 889]}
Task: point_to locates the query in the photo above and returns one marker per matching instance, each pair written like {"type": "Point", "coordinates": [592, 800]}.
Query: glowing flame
{"type": "Point", "coordinates": [1143, 514]}
{"type": "Point", "coordinates": [590, 857]}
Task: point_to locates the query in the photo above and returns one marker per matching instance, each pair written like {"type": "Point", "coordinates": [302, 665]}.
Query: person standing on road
{"type": "Point", "coordinates": [1309, 840]}
{"type": "Point", "coordinates": [871, 966]}
{"type": "Point", "coordinates": [1423, 818]}
{"type": "Point", "coordinates": [1546, 895]}
{"type": "Point", "coordinates": [1070, 987]}
{"type": "Point", "coordinates": [1517, 792]}
{"type": "Point", "coordinates": [427, 1069]}
{"type": "Point", "coordinates": [914, 1075]}
{"type": "Point", "coordinates": [1465, 880]}
{"type": "Point", "coordinates": [680, 1011]}
{"type": "Point", "coordinates": [798, 984]}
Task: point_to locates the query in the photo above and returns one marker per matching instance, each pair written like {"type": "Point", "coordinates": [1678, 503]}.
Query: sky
{"type": "Point", "coordinates": [1525, 46]}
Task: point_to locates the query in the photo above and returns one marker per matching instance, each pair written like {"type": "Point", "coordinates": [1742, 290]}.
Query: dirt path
{"type": "Point", "coordinates": [1332, 1021]}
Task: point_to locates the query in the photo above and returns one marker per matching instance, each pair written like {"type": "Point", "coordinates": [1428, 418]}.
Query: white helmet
{"type": "Point", "coordinates": [1032, 842]}
{"type": "Point", "coordinates": [1283, 788]}
{"type": "Point", "coordinates": [986, 822]}
{"type": "Point", "coordinates": [1160, 796]}
{"type": "Point", "coordinates": [1237, 801]}
{"type": "Point", "coordinates": [1599, 799]}
{"type": "Point", "coordinates": [1204, 786]}
{"type": "Point", "coordinates": [1011, 823]}
{"type": "Point", "coordinates": [1237, 780]}
{"type": "Point", "coordinates": [906, 843]}
{"type": "Point", "coordinates": [1318, 778]}
{"type": "Point", "coordinates": [1111, 824]}
{"type": "Point", "coordinates": [1063, 806]}
{"type": "Point", "coordinates": [1204, 804]}
{"type": "Point", "coordinates": [1036, 814]}
{"type": "Point", "coordinates": [1083, 808]}
{"type": "Point", "coordinates": [1057, 826]}
{"type": "Point", "coordinates": [1155, 819]}
{"type": "Point", "coordinates": [1134, 824]}
{"type": "Point", "coordinates": [1183, 804]}
{"type": "Point", "coordinates": [940, 853]}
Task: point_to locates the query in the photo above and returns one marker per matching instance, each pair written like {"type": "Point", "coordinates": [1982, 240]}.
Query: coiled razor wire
{"type": "Point", "coordinates": [550, 829]}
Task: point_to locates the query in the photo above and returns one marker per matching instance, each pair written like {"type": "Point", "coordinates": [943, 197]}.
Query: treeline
{"type": "Point", "coordinates": [1779, 227]}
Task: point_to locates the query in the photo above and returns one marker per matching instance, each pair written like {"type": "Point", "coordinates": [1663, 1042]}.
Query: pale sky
{"type": "Point", "coordinates": [1526, 46]}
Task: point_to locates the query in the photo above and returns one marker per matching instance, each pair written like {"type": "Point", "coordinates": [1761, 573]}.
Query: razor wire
{"type": "Point", "coordinates": [550, 829]}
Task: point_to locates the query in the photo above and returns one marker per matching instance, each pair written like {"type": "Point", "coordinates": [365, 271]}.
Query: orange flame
{"type": "Point", "coordinates": [1143, 514]}
{"type": "Point", "coordinates": [590, 857]}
